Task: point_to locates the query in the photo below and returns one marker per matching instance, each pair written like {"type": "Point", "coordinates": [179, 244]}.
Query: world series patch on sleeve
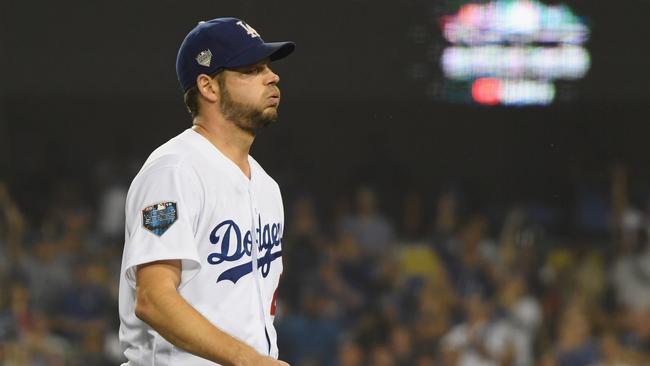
{"type": "Point", "coordinates": [159, 217]}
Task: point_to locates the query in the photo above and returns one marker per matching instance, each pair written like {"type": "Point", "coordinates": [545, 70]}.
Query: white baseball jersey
{"type": "Point", "coordinates": [190, 202]}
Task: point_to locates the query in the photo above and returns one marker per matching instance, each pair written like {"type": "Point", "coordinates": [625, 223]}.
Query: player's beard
{"type": "Point", "coordinates": [245, 116]}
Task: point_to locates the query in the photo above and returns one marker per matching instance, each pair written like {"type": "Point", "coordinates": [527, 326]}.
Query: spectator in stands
{"type": "Point", "coordinates": [370, 228]}
{"type": "Point", "coordinates": [519, 318]}
{"type": "Point", "coordinates": [85, 305]}
{"type": "Point", "coordinates": [445, 226]}
{"type": "Point", "coordinates": [12, 230]}
{"type": "Point", "coordinates": [47, 270]}
{"type": "Point", "coordinates": [8, 326]}
{"type": "Point", "coordinates": [478, 341]}
{"type": "Point", "coordinates": [470, 266]}
{"type": "Point", "coordinates": [350, 354]}
{"type": "Point", "coordinates": [45, 347]}
{"type": "Point", "coordinates": [576, 345]}
{"type": "Point", "coordinates": [305, 251]}
{"type": "Point", "coordinates": [400, 346]}
{"type": "Point", "coordinates": [412, 225]}
{"type": "Point", "coordinates": [311, 336]}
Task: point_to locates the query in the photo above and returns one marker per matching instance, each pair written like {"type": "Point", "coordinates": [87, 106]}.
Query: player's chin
{"type": "Point", "coordinates": [270, 114]}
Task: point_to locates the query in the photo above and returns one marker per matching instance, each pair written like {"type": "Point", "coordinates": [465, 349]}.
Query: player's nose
{"type": "Point", "coordinates": [273, 78]}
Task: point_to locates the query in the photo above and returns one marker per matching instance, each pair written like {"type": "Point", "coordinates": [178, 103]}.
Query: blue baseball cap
{"type": "Point", "coordinates": [223, 43]}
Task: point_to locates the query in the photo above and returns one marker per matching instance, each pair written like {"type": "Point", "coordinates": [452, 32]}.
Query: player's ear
{"type": "Point", "coordinates": [207, 87]}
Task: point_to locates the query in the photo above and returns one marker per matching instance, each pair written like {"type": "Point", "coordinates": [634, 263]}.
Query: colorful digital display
{"type": "Point", "coordinates": [511, 52]}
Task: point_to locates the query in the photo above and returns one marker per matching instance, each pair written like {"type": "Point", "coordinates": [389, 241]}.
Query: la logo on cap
{"type": "Point", "coordinates": [250, 30]}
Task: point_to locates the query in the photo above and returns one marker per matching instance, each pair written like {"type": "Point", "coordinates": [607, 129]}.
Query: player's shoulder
{"type": "Point", "coordinates": [175, 154]}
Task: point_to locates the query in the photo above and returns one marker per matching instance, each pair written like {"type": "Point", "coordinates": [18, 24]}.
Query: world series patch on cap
{"type": "Point", "coordinates": [159, 217]}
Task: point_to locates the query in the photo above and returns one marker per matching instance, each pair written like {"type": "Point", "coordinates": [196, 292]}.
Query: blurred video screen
{"type": "Point", "coordinates": [508, 52]}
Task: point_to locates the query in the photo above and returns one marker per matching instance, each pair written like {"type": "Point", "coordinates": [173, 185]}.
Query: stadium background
{"type": "Point", "coordinates": [407, 217]}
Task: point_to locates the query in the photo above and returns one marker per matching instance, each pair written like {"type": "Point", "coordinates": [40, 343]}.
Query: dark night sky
{"type": "Point", "coordinates": [86, 81]}
{"type": "Point", "coordinates": [355, 49]}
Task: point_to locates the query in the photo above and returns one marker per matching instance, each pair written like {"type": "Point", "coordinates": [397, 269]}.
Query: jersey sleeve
{"type": "Point", "coordinates": [162, 209]}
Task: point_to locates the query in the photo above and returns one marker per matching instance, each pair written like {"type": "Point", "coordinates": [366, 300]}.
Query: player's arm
{"type": "Point", "coordinates": [159, 304]}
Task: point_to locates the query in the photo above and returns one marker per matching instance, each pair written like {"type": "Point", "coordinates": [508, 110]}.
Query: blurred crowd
{"type": "Point", "coordinates": [433, 282]}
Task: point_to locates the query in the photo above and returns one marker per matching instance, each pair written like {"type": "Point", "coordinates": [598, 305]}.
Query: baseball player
{"type": "Point", "coordinates": [204, 222]}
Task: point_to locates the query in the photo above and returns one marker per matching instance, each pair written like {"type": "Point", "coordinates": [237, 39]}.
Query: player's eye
{"type": "Point", "coordinates": [254, 70]}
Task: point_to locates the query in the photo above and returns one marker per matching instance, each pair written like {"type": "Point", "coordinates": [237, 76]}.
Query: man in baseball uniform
{"type": "Point", "coordinates": [204, 222]}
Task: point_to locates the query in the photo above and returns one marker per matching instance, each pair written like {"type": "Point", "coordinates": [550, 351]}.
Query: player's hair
{"type": "Point", "coordinates": [191, 96]}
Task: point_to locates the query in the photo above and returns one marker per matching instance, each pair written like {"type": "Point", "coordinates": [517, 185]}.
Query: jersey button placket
{"type": "Point", "coordinates": [257, 275]}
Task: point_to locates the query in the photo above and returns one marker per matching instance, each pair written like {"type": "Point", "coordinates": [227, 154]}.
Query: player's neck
{"type": "Point", "coordinates": [233, 142]}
